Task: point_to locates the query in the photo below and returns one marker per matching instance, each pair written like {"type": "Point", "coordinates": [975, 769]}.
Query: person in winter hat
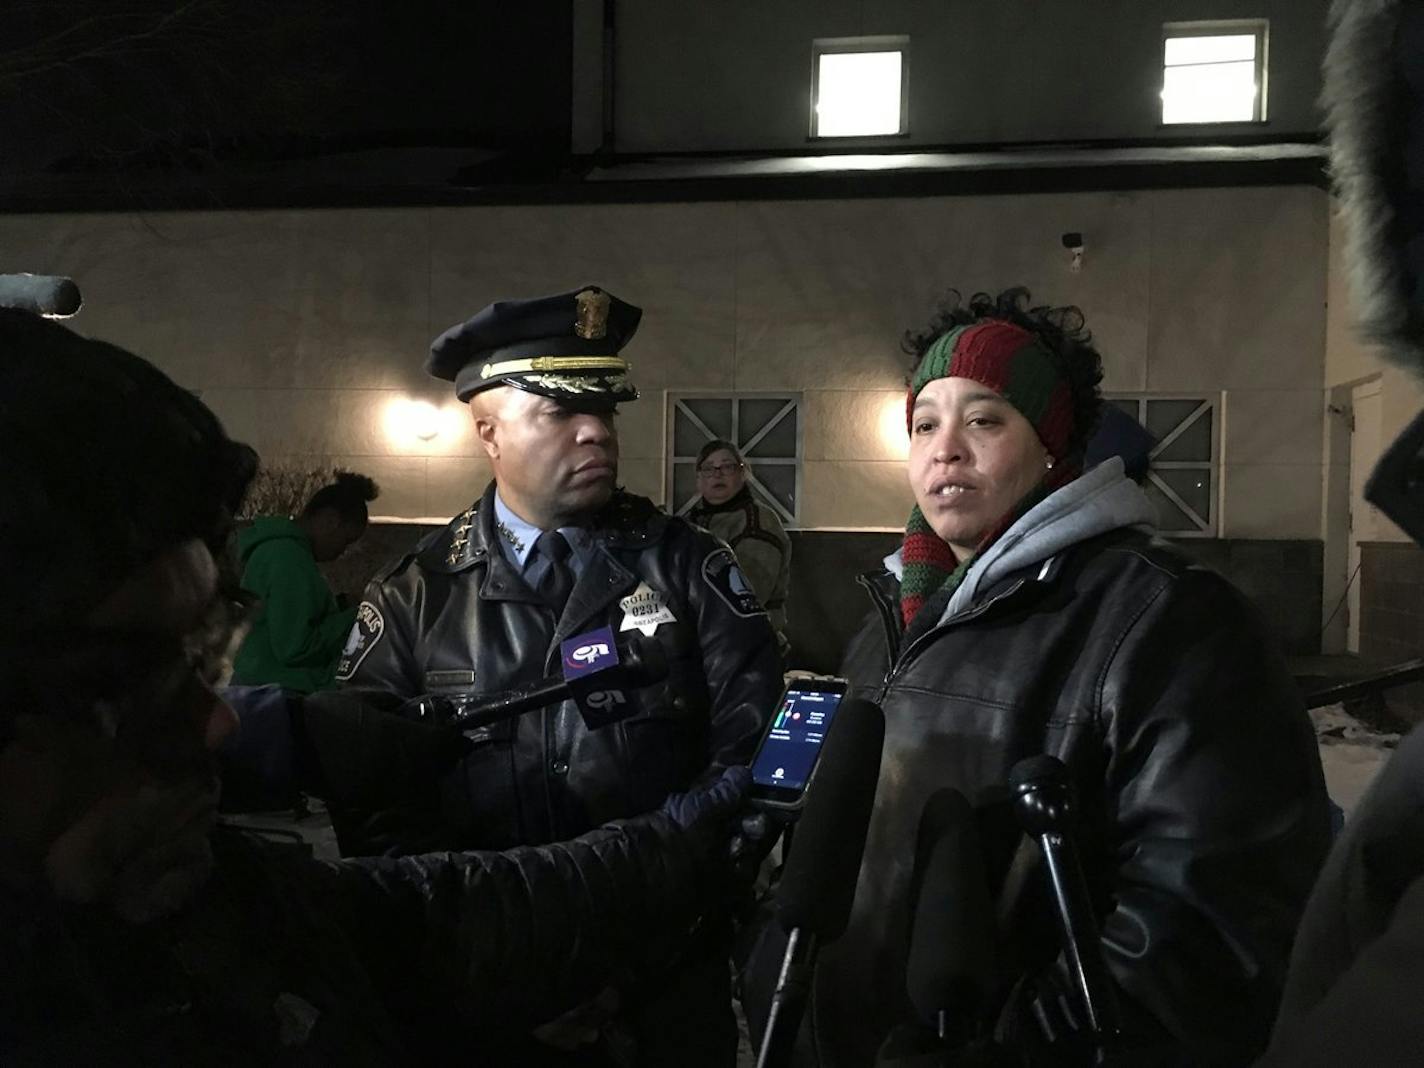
{"type": "Point", "coordinates": [1030, 610]}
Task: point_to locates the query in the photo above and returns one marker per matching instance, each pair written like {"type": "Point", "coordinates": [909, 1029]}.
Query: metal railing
{"type": "Point", "coordinates": [1370, 685]}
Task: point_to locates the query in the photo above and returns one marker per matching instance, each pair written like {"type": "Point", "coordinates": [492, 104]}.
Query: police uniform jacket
{"type": "Point", "coordinates": [454, 615]}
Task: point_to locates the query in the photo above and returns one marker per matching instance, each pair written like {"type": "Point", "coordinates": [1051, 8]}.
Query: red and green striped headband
{"type": "Point", "coordinates": [1011, 361]}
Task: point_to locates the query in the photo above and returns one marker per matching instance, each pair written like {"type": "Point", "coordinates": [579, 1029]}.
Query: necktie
{"type": "Point", "coordinates": [558, 580]}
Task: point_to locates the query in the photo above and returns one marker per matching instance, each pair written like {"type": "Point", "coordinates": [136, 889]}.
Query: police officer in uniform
{"type": "Point", "coordinates": [551, 550]}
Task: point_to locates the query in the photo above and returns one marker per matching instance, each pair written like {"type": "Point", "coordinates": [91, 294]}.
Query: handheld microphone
{"type": "Point", "coordinates": [1045, 805]}
{"type": "Point", "coordinates": [598, 672]}
{"type": "Point", "coordinates": [52, 296]}
{"type": "Point", "coordinates": [817, 889]}
{"type": "Point", "coordinates": [950, 970]}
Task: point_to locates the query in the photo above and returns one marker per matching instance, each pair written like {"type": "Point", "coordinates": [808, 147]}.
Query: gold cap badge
{"type": "Point", "coordinates": [592, 318]}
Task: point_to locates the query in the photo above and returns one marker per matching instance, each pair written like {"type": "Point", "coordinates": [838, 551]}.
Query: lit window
{"type": "Point", "coordinates": [1214, 72]}
{"type": "Point", "coordinates": [859, 87]}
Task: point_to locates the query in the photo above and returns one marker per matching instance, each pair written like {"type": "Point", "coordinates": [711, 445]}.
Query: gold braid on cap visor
{"type": "Point", "coordinates": [580, 383]}
{"type": "Point", "coordinates": [554, 363]}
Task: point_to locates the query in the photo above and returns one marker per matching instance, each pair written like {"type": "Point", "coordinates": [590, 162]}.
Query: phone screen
{"type": "Point", "coordinates": [788, 753]}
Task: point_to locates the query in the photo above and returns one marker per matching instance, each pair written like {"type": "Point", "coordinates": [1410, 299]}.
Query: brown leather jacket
{"type": "Point", "coordinates": [454, 614]}
{"type": "Point", "coordinates": [1203, 808]}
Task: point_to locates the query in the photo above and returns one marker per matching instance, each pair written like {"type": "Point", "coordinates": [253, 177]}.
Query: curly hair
{"type": "Point", "coordinates": [347, 497]}
{"type": "Point", "coordinates": [1062, 330]}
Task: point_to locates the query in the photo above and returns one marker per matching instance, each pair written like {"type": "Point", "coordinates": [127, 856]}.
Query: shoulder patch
{"type": "Point", "coordinates": [721, 573]}
{"type": "Point", "coordinates": [370, 625]}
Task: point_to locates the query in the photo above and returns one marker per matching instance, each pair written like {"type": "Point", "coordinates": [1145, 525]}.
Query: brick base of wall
{"type": "Point", "coordinates": [1285, 579]}
{"type": "Point", "coordinates": [1392, 617]}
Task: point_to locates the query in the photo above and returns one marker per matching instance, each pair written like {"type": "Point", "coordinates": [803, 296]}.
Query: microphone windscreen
{"type": "Point", "coordinates": [818, 884]}
{"type": "Point", "coordinates": [642, 660]}
{"type": "Point", "coordinates": [1037, 771]}
{"type": "Point", "coordinates": [1044, 795]}
{"type": "Point", "coordinates": [42, 294]}
{"type": "Point", "coordinates": [951, 961]}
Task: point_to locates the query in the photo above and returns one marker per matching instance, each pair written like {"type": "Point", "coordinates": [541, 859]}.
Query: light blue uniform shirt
{"type": "Point", "coordinates": [516, 537]}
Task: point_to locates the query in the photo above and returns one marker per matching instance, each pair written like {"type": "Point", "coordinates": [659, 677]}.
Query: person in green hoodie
{"type": "Point", "coordinates": [299, 630]}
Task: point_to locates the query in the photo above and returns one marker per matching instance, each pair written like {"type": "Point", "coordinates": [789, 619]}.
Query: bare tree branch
{"type": "Point", "coordinates": [52, 52]}
{"type": "Point", "coordinates": [167, 81]}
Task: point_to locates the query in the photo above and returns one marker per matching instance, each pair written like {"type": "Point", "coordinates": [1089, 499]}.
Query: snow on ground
{"type": "Point", "coordinates": [1351, 753]}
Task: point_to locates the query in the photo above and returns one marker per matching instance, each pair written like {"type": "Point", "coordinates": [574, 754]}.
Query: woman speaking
{"type": "Point", "coordinates": [1031, 611]}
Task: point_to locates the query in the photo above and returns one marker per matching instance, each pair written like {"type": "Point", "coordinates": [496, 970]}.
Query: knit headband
{"type": "Point", "coordinates": [1014, 363]}
{"type": "Point", "coordinates": [1011, 361]}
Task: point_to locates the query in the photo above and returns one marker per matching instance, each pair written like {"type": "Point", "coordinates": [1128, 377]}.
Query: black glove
{"type": "Point", "coordinates": [352, 753]}
{"type": "Point", "coordinates": [712, 805]}
{"type": "Point", "coordinates": [756, 836]}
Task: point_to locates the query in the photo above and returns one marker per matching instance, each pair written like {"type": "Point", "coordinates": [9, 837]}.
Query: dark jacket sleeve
{"type": "Point", "coordinates": [1220, 815]}
{"type": "Point", "coordinates": [1358, 960]}
{"type": "Point", "coordinates": [509, 940]}
{"type": "Point", "coordinates": [340, 747]}
{"type": "Point", "coordinates": [1371, 1014]}
{"type": "Point", "coordinates": [378, 654]}
{"type": "Point", "coordinates": [740, 660]}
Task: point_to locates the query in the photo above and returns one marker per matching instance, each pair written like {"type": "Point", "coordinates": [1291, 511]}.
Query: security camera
{"type": "Point", "coordinates": [1073, 242]}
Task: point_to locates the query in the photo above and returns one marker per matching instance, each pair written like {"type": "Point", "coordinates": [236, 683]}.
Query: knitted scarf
{"type": "Point", "coordinates": [1013, 362]}
{"type": "Point", "coordinates": [929, 564]}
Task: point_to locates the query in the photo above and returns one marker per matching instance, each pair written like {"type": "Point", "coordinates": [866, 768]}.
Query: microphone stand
{"type": "Point", "coordinates": [788, 1002]}
{"type": "Point", "coordinates": [817, 889]}
{"type": "Point", "coordinates": [1046, 809]}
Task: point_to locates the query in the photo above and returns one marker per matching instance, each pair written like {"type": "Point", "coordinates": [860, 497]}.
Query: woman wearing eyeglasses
{"type": "Point", "coordinates": [728, 509]}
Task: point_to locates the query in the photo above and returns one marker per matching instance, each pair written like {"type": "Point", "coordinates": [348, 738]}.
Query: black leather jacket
{"type": "Point", "coordinates": [454, 615]}
{"type": "Point", "coordinates": [282, 959]}
{"type": "Point", "coordinates": [1204, 815]}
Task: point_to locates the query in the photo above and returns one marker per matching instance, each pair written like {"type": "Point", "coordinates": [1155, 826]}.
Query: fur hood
{"type": "Point", "coordinates": [1374, 104]}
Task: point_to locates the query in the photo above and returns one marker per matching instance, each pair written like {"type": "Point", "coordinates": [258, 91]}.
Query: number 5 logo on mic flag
{"type": "Point", "coordinates": [584, 654]}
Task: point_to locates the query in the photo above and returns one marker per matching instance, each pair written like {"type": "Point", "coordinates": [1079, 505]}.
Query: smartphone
{"type": "Point", "coordinates": [786, 759]}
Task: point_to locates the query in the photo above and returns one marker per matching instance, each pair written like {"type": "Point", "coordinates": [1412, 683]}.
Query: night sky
{"type": "Point", "coordinates": [123, 85]}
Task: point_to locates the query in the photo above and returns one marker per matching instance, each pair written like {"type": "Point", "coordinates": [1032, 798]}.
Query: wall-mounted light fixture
{"type": "Point", "coordinates": [1073, 242]}
{"type": "Point", "coordinates": [425, 419]}
{"type": "Point", "coordinates": [894, 434]}
{"type": "Point", "coordinates": [408, 421]}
